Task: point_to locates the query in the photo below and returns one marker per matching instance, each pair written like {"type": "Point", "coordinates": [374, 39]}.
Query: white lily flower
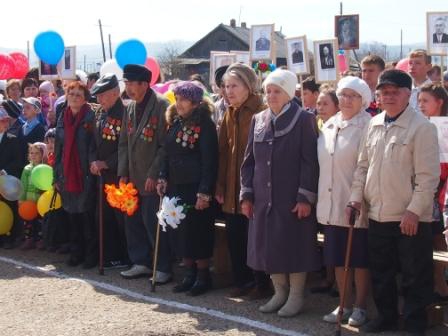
{"type": "Point", "coordinates": [170, 214]}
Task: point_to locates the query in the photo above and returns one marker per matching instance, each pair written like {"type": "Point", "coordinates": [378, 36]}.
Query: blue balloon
{"type": "Point", "coordinates": [49, 47]}
{"type": "Point", "coordinates": [130, 52]}
{"type": "Point", "coordinates": [272, 67]}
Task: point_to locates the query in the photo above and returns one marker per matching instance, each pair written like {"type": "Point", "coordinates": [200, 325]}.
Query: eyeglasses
{"type": "Point", "coordinates": [348, 97]}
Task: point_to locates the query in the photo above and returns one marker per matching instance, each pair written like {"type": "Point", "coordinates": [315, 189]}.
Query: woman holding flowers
{"type": "Point", "coordinates": [189, 171]}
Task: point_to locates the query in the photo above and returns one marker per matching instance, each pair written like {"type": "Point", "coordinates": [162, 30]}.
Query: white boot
{"type": "Point", "coordinates": [281, 294]}
{"type": "Point", "coordinates": [295, 301]}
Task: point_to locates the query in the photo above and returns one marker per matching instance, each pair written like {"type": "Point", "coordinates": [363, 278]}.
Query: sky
{"type": "Point", "coordinates": [77, 21]}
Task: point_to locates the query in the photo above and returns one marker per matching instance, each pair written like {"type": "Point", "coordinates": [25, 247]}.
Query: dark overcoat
{"type": "Point", "coordinates": [84, 201]}
{"type": "Point", "coordinates": [281, 168]}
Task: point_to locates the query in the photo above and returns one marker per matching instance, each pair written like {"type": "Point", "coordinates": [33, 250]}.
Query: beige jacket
{"type": "Point", "coordinates": [398, 167]}
{"type": "Point", "coordinates": [337, 149]}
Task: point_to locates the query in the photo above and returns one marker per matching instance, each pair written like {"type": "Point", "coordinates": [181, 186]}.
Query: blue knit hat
{"type": "Point", "coordinates": [189, 91]}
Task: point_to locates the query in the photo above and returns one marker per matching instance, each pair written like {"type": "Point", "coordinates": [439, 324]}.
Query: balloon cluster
{"type": "Point", "coordinates": [123, 198]}
{"type": "Point", "coordinates": [264, 67]}
{"type": "Point", "coordinates": [13, 65]}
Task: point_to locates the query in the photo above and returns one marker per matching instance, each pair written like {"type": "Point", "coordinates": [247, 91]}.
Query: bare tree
{"type": "Point", "coordinates": [169, 62]}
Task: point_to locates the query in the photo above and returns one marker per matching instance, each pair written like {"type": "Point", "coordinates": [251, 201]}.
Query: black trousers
{"type": "Point", "coordinates": [391, 252]}
{"type": "Point", "coordinates": [83, 236]}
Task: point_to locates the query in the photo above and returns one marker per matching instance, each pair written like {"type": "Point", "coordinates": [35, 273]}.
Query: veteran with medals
{"type": "Point", "coordinates": [105, 163]}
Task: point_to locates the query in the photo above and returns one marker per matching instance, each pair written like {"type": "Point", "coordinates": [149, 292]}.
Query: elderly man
{"type": "Point", "coordinates": [397, 175]}
{"type": "Point", "coordinates": [439, 35]}
{"type": "Point", "coordinates": [139, 159]}
{"type": "Point", "coordinates": [105, 163]}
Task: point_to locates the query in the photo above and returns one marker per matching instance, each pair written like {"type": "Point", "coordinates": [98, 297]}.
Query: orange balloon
{"type": "Point", "coordinates": [28, 210]}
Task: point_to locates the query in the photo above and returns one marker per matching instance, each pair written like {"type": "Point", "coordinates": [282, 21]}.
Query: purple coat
{"type": "Point", "coordinates": [280, 168]}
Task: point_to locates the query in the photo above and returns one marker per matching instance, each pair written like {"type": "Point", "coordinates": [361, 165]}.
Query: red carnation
{"type": "Point", "coordinates": [263, 66]}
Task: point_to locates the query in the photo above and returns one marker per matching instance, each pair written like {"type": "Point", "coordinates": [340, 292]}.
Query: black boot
{"type": "Point", "coordinates": [188, 280]}
{"type": "Point", "coordinates": [202, 284]}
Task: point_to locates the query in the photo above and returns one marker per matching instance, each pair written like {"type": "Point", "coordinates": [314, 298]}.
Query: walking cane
{"type": "Point", "coordinates": [156, 252]}
{"type": "Point", "coordinates": [101, 226]}
{"type": "Point", "coordinates": [348, 252]}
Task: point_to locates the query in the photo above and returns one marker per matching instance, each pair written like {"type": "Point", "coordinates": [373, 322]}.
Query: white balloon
{"type": "Point", "coordinates": [111, 66]}
{"type": "Point", "coordinates": [82, 75]}
{"type": "Point", "coordinates": [10, 187]}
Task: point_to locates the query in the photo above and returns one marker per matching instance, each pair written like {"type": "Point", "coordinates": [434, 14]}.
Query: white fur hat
{"type": "Point", "coordinates": [357, 85]}
{"type": "Point", "coordinates": [284, 79]}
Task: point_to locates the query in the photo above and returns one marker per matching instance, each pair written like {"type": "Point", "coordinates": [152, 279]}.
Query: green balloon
{"type": "Point", "coordinates": [42, 177]}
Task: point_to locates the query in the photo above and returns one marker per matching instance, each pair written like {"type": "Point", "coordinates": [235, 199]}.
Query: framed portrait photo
{"type": "Point", "coordinates": [346, 30]}
{"type": "Point", "coordinates": [242, 56]}
{"type": "Point", "coordinates": [437, 33]}
{"type": "Point", "coordinates": [325, 60]}
{"type": "Point", "coordinates": [262, 42]}
{"type": "Point", "coordinates": [297, 52]}
{"type": "Point", "coordinates": [67, 64]}
{"type": "Point", "coordinates": [48, 71]}
{"type": "Point", "coordinates": [219, 59]}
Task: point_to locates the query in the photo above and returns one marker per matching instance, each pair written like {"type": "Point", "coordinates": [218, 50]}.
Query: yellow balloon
{"type": "Point", "coordinates": [43, 203]}
{"type": "Point", "coordinates": [6, 218]}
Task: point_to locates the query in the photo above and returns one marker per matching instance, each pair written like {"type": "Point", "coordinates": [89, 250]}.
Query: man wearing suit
{"type": "Point", "coordinates": [105, 163]}
{"type": "Point", "coordinates": [139, 158]}
{"type": "Point", "coordinates": [12, 163]}
{"type": "Point", "coordinates": [326, 59]}
{"type": "Point", "coordinates": [262, 44]}
{"type": "Point", "coordinates": [297, 54]}
{"type": "Point", "coordinates": [440, 36]}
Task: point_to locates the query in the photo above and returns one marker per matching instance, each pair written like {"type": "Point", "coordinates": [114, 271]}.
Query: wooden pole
{"type": "Point", "coordinates": [110, 47]}
{"type": "Point", "coordinates": [102, 40]}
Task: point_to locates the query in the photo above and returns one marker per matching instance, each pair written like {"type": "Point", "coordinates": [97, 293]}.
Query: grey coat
{"type": "Point", "coordinates": [84, 201]}
{"type": "Point", "coordinates": [280, 168]}
{"type": "Point", "coordinates": [139, 156]}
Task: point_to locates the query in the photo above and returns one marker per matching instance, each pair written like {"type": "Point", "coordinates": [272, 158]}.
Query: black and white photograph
{"type": "Point", "coordinates": [437, 33]}
{"type": "Point", "coordinates": [47, 71]}
{"type": "Point", "coordinates": [67, 65]}
{"type": "Point", "coordinates": [261, 42]}
{"type": "Point", "coordinates": [297, 55]}
{"type": "Point", "coordinates": [325, 60]}
{"type": "Point", "coordinates": [242, 56]}
{"type": "Point", "coordinates": [346, 29]}
{"type": "Point", "coordinates": [219, 59]}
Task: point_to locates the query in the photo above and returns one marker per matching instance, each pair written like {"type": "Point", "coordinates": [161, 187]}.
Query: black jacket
{"type": "Point", "coordinates": [191, 150]}
{"type": "Point", "coordinates": [36, 135]}
{"type": "Point", "coordinates": [11, 157]}
{"type": "Point", "coordinates": [107, 135]}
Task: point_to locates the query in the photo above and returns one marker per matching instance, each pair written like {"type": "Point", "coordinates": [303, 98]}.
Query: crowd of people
{"type": "Point", "coordinates": [278, 161]}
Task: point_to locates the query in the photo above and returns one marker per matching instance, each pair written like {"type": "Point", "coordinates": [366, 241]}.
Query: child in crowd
{"type": "Point", "coordinates": [33, 130]}
{"type": "Point", "coordinates": [37, 154]}
{"type": "Point", "coordinates": [49, 142]}
{"type": "Point", "coordinates": [47, 98]}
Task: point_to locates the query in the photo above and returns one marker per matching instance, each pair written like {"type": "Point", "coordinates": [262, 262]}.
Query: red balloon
{"type": "Point", "coordinates": [6, 66]}
{"type": "Point", "coordinates": [21, 64]}
{"type": "Point", "coordinates": [153, 66]}
{"type": "Point", "coordinates": [403, 65]}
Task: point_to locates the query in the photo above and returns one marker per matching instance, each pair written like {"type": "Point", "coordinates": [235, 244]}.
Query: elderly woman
{"type": "Point", "coordinates": [241, 89]}
{"type": "Point", "coordinates": [74, 134]}
{"type": "Point", "coordinates": [337, 151]}
{"type": "Point", "coordinates": [279, 179]}
{"type": "Point", "coordinates": [189, 171]}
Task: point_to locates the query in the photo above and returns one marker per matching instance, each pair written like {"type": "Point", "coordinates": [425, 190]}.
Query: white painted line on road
{"type": "Point", "coordinates": [183, 306]}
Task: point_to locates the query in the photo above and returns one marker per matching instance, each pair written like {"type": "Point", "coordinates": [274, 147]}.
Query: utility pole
{"type": "Point", "coordinates": [340, 8]}
{"type": "Point", "coordinates": [102, 41]}
{"type": "Point", "coordinates": [401, 43]}
{"type": "Point", "coordinates": [110, 47]}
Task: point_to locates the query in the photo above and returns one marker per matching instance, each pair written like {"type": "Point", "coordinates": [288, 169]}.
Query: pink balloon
{"type": "Point", "coordinates": [153, 66]}
{"type": "Point", "coordinates": [342, 63]}
{"type": "Point", "coordinates": [6, 66]}
{"type": "Point", "coordinates": [21, 64]}
{"type": "Point", "coordinates": [403, 65]}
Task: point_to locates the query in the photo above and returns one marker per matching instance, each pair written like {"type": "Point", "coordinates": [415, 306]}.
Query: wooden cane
{"type": "Point", "coordinates": [156, 252]}
{"type": "Point", "coordinates": [348, 251]}
{"type": "Point", "coordinates": [101, 226]}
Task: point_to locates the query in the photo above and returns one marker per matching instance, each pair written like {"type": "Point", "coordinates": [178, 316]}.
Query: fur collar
{"type": "Point", "coordinates": [204, 110]}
